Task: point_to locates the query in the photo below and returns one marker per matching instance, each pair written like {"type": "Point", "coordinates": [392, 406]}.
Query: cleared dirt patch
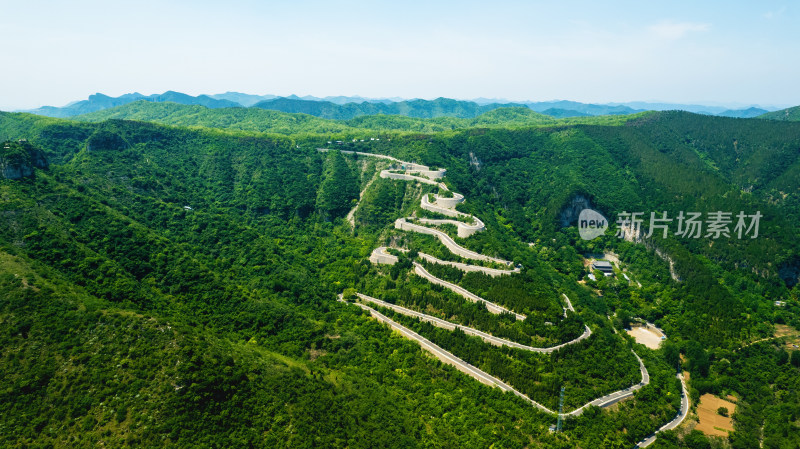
{"type": "Point", "coordinates": [646, 337]}
{"type": "Point", "coordinates": [313, 354]}
{"type": "Point", "coordinates": [613, 258]}
{"type": "Point", "coordinates": [792, 336]}
{"type": "Point", "coordinates": [711, 422]}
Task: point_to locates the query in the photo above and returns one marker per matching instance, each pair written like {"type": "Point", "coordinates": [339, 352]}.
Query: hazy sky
{"type": "Point", "coordinates": [728, 52]}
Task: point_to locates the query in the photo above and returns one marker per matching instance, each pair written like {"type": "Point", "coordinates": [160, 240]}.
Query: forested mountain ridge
{"type": "Point", "coordinates": [345, 108]}
{"type": "Point", "coordinates": [582, 108]}
{"type": "Point", "coordinates": [112, 253]}
{"type": "Point", "coordinates": [536, 173]}
{"type": "Point", "coordinates": [743, 113]}
{"type": "Point", "coordinates": [264, 120]}
{"type": "Point", "coordinates": [788, 114]}
{"type": "Point", "coordinates": [440, 107]}
{"type": "Point", "coordinates": [225, 250]}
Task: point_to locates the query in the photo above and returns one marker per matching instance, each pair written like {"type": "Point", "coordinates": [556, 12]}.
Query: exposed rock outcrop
{"type": "Point", "coordinates": [20, 159]}
{"type": "Point", "coordinates": [570, 212]}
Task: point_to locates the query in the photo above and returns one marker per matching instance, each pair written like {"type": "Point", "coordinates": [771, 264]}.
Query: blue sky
{"type": "Point", "coordinates": [711, 52]}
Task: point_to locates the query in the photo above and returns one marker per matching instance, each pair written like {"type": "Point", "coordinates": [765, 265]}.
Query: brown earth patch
{"type": "Point", "coordinates": [711, 422]}
{"type": "Point", "coordinates": [645, 336]}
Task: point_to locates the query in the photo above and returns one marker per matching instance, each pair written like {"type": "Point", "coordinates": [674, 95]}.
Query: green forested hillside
{"type": "Point", "coordinates": [79, 372]}
{"type": "Point", "coordinates": [166, 286]}
{"type": "Point", "coordinates": [788, 114]}
{"type": "Point", "coordinates": [521, 179]}
{"type": "Point", "coordinates": [185, 272]}
{"type": "Point", "coordinates": [261, 120]}
{"type": "Point", "coordinates": [244, 119]}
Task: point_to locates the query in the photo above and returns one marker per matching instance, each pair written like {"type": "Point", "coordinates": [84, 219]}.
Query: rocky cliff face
{"type": "Point", "coordinates": [570, 212]}
{"type": "Point", "coordinates": [18, 160]}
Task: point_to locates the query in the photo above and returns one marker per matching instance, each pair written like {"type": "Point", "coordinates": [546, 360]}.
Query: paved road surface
{"type": "Point", "coordinates": [483, 377]}
{"type": "Point", "coordinates": [682, 413]}
{"type": "Point", "coordinates": [569, 303]}
{"type": "Point", "coordinates": [491, 339]}
{"type": "Point", "coordinates": [463, 230]}
{"type": "Point", "coordinates": [490, 306]}
{"type": "Point", "coordinates": [455, 248]}
{"type": "Point", "coordinates": [467, 267]}
{"type": "Point", "coordinates": [450, 359]}
{"type": "Point", "coordinates": [450, 212]}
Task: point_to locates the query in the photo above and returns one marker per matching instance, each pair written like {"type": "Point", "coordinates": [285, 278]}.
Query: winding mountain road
{"type": "Point", "coordinates": [488, 338]}
{"type": "Point", "coordinates": [450, 359]}
{"type": "Point", "coordinates": [446, 206]}
{"type": "Point", "coordinates": [487, 379]}
{"type": "Point", "coordinates": [490, 306]}
{"type": "Point", "coordinates": [467, 267]}
{"type": "Point", "coordinates": [380, 255]}
{"type": "Point", "coordinates": [455, 248]}
{"type": "Point", "coordinates": [682, 413]}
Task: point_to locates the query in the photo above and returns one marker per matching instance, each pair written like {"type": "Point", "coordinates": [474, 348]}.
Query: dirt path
{"type": "Point", "coordinates": [351, 215]}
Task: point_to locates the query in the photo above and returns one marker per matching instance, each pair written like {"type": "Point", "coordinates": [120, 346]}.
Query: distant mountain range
{"type": "Point", "coordinates": [98, 102]}
{"type": "Point", "coordinates": [248, 100]}
{"type": "Point", "coordinates": [562, 113]}
{"type": "Point", "coordinates": [743, 113]}
{"type": "Point", "coordinates": [245, 100]}
{"type": "Point", "coordinates": [440, 107]}
{"type": "Point", "coordinates": [575, 109]}
{"type": "Point", "coordinates": [348, 107]}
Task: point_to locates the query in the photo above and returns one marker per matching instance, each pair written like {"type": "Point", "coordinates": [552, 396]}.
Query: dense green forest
{"type": "Point", "coordinates": [176, 285]}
